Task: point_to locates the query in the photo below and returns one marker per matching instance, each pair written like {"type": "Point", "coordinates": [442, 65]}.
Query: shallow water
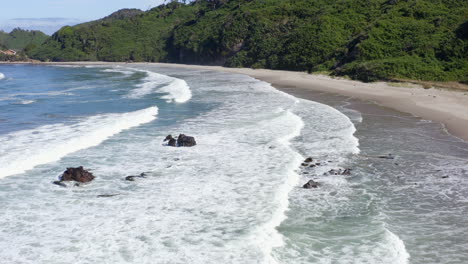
{"type": "Point", "coordinates": [236, 196]}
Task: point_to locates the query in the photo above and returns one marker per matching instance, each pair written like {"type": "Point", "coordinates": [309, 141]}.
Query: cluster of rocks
{"type": "Point", "coordinates": [79, 175]}
{"type": "Point", "coordinates": [181, 141]}
{"type": "Point", "coordinates": [310, 163]}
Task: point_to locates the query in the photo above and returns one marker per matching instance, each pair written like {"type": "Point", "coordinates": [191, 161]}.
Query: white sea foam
{"type": "Point", "coordinates": [267, 235]}
{"type": "Point", "coordinates": [397, 248]}
{"type": "Point", "coordinates": [24, 102]}
{"type": "Point", "coordinates": [240, 176]}
{"type": "Point", "coordinates": [23, 150]}
{"type": "Point", "coordinates": [116, 70]}
{"type": "Point", "coordinates": [177, 90]}
{"type": "Point", "coordinates": [2, 76]}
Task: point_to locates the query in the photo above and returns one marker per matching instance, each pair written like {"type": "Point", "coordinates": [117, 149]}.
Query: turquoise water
{"type": "Point", "coordinates": [236, 197]}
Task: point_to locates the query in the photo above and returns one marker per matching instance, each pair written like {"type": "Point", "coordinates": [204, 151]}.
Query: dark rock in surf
{"type": "Point", "coordinates": [107, 195]}
{"type": "Point", "coordinates": [182, 141]}
{"type": "Point", "coordinates": [77, 174]}
{"type": "Point", "coordinates": [132, 177]}
{"type": "Point", "coordinates": [185, 141]}
{"type": "Point", "coordinates": [171, 141]}
{"type": "Point", "coordinates": [389, 156]}
{"type": "Point", "coordinates": [346, 172]}
{"type": "Point", "coordinates": [311, 184]}
{"type": "Point", "coordinates": [339, 172]}
{"type": "Point", "coordinates": [308, 160]}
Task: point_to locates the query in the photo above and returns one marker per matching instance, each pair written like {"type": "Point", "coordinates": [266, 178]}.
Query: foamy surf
{"type": "Point", "coordinates": [116, 70]}
{"type": "Point", "coordinates": [2, 76]}
{"type": "Point", "coordinates": [23, 150]}
{"type": "Point", "coordinates": [267, 236]}
{"type": "Point", "coordinates": [177, 90]}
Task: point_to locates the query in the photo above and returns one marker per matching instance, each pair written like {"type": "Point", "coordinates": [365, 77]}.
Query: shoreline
{"type": "Point", "coordinates": [450, 108]}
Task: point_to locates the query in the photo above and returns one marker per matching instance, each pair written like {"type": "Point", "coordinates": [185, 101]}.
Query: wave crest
{"type": "Point", "coordinates": [177, 89]}
{"type": "Point", "coordinates": [23, 150]}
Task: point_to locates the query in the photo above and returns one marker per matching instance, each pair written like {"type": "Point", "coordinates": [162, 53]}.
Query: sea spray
{"type": "Point", "coordinates": [23, 150]}
{"type": "Point", "coordinates": [2, 76]}
{"type": "Point", "coordinates": [177, 90]}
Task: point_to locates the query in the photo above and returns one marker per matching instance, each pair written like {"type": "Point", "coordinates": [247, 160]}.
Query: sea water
{"type": "Point", "coordinates": [236, 197]}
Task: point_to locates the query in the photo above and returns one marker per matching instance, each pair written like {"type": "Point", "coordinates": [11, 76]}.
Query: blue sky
{"type": "Point", "coordinates": [77, 9]}
{"type": "Point", "coordinates": [50, 15]}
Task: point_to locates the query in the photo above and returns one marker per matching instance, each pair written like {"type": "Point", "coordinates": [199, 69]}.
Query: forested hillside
{"type": "Point", "coordinates": [364, 39]}
{"type": "Point", "coordinates": [19, 39]}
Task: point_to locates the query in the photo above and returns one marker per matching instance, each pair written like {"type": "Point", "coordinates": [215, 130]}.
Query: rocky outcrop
{"type": "Point", "coordinates": [185, 141]}
{"type": "Point", "coordinates": [170, 141]}
{"type": "Point", "coordinates": [182, 141]}
{"type": "Point", "coordinates": [311, 184]}
{"type": "Point", "coordinates": [77, 174]}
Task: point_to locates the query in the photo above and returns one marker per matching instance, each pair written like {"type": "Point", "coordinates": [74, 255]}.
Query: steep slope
{"type": "Point", "coordinates": [367, 40]}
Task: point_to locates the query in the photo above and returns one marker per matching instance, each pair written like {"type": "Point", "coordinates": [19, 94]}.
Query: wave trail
{"type": "Point", "coordinates": [23, 150]}
{"type": "Point", "coordinates": [177, 89]}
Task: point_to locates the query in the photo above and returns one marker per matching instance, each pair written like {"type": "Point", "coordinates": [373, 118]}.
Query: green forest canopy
{"type": "Point", "coordinates": [18, 39]}
{"type": "Point", "coordinates": [364, 39]}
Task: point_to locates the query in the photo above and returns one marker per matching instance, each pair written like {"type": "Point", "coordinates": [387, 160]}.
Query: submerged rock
{"type": "Point", "coordinates": [132, 177]}
{"type": "Point", "coordinates": [389, 156]}
{"type": "Point", "coordinates": [310, 184]}
{"type": "Point", "coordinates": [76, 174]}
{"type": "Point", "coordinates": [339, 172]}
{"type": "Point", "coordinates": [107, 195]}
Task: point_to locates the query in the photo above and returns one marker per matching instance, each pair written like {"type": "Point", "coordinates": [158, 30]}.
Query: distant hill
{"type": "Point", "coordinates": [47, 25]}
{"type": "Point", "coordinates": [19, 39]}
{"type": "Point", "coordinates": [367, 40]}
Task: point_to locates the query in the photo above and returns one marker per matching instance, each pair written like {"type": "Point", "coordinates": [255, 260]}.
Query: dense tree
{"type": "Point", "coordinates": [18, 39]}
{"type": "Point", "coordinates": [368, 40]}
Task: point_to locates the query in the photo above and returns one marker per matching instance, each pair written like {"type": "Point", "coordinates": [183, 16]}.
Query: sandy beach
{"type": "Point", "coordinates": [449, 107]}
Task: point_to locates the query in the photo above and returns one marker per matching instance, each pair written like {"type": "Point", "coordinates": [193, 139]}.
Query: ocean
{"type": "Point", "coordinates": [237, 196]}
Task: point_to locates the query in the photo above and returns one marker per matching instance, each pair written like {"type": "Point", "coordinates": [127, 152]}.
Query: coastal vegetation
{"type": "Point", "coordinates": [366, 40]}
{"type": "Point", "coordinates": [19, 39]}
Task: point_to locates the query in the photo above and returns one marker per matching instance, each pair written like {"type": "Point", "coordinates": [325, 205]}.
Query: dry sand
{"type": "Point", "coordinates": [445, 106]}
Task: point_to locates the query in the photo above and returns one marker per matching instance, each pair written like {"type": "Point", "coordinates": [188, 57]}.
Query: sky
{"type": "Point", "coordinates": [76, 9]}
{"type": "Point", "coordinates": [50, 15]}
